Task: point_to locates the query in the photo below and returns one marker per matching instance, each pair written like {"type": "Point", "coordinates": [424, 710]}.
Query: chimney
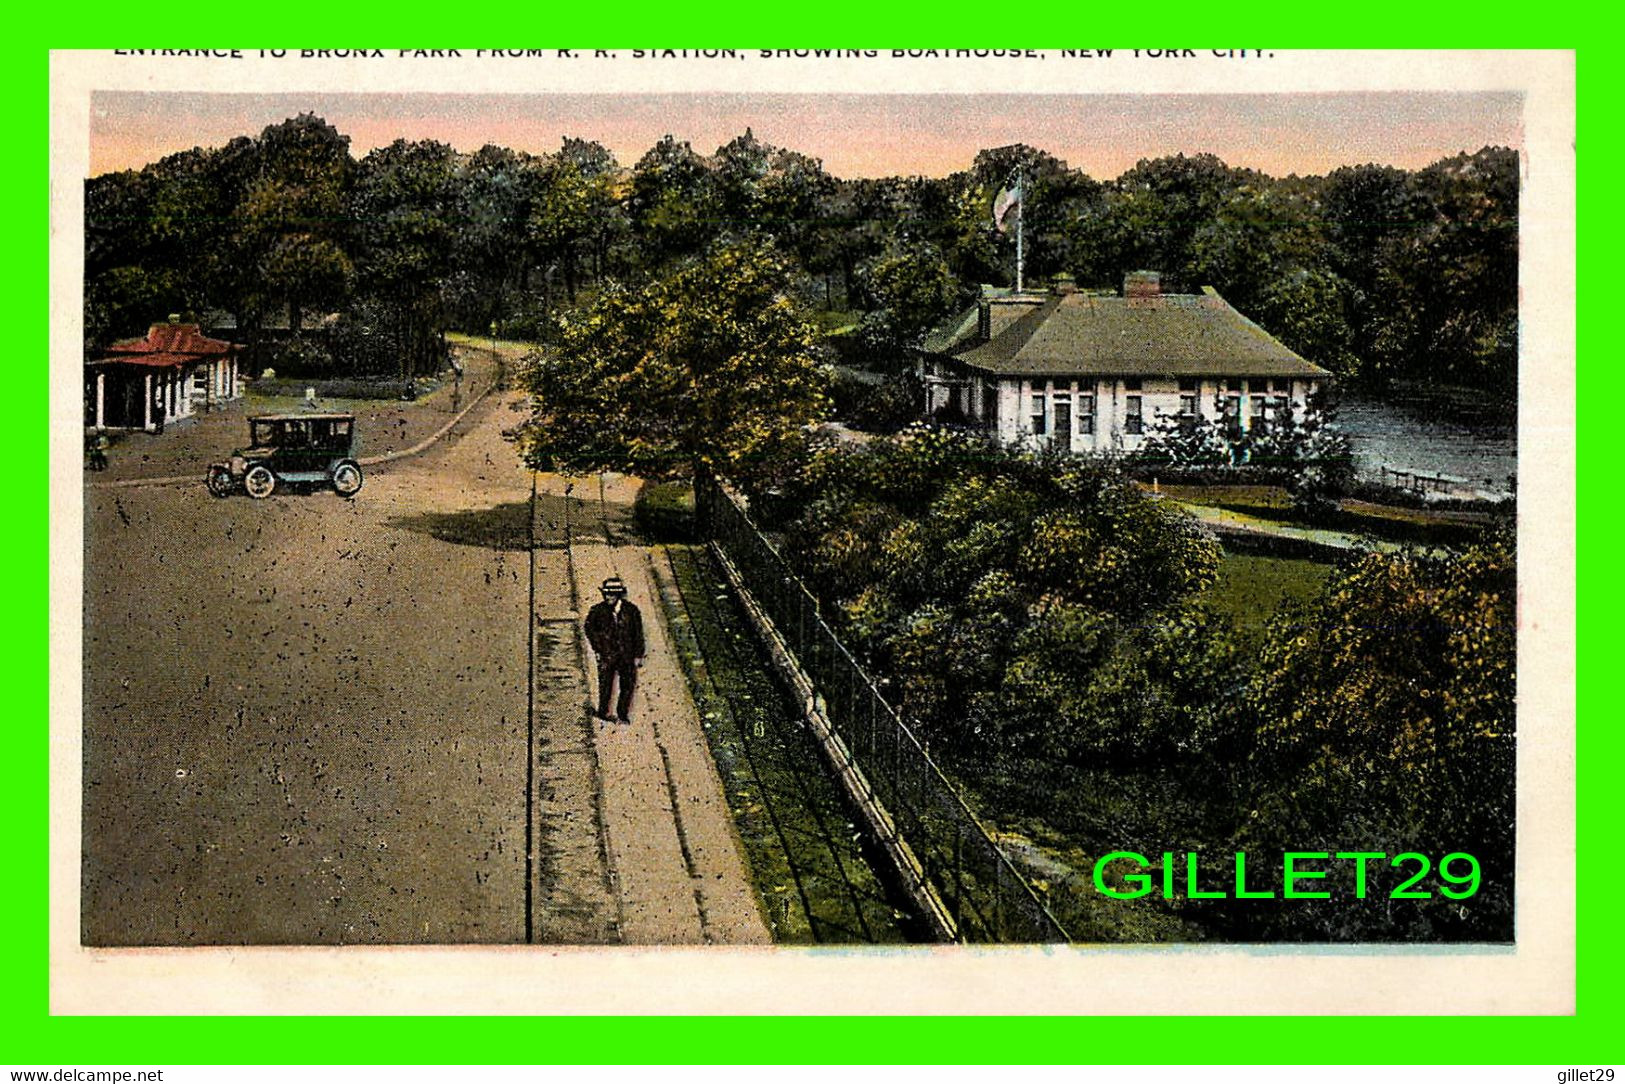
{"type": "Point", "coordinates": [1063, 284]}
{"type": "Point", "coordinates": [1142, 284]}
{"type": "Point", "coordinates": [174, 317]}
{"type": "Point", "coordinates": [984, 320]}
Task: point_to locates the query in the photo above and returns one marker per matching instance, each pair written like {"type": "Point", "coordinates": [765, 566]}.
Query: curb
{"type": "Point", "coordinates": [368, 461]}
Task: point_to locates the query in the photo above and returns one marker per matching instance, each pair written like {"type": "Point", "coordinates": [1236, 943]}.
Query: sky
{"type": "Point", "coordinates": [855, 135]}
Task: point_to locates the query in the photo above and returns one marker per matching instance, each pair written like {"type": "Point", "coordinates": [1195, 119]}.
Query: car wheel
{"type": "Point", "coordinates": [259, 482]}
{"type": "Point", "coordinates": [220, 482]}
{"type": "Point", "coordinates": [347, 479]}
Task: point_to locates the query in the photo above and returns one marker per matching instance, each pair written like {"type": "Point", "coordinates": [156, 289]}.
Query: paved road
{"type": "Point", "coordinates": [306, 721]}
{"type": "Point", "coordinates": [186, 447]}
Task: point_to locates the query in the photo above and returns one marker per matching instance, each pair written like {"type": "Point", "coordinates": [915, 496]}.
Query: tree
{"type": "Point", "coordinates": [674, 204]}
{"type": "Point", "coordinates": [497, 191]}
{"type": "Point", "coordinates": [1023, 605]}
{"type": "Point", "coordinates": [907, 292]}
{"type": "Point", "coordinates": [1258, 233]}
{"type": "Point", "coordinates": [792, 203]}
{"type": "Point", "coordinates": [1149, 218]}
{"type": "Point", "coordinates": [292, 214]}
{"type": "Point", "coordinates": [1053, 196]}
{"type": "Point", "coordinates": [708, 368]}
{"type": "Point", "coordinates": [1432, 256]}
{"type": "Point", "coordinates": [738, 170]}
{"type": "Point", "coordinates": [1386, 712]}
{"type": "Point", "coordinates": [120, 290]}
{"type": "Point", "coordinates": [866, 215]}
{"type": "Point", "coordinates": [1309, 311]}
{"type": "Point", "coordinates": [577, 211]}
{"type": "Point", "coordinates": [402, 202]}
{"type": "Point", "coordinates": [161, 241]}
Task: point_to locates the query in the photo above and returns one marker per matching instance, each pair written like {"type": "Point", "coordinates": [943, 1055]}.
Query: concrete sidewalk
{"type": "Point", "coordinates": [674, 854]}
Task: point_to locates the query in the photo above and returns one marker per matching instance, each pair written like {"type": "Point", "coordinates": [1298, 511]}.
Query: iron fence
{"type": "Point", "coordinates": [987, 897]}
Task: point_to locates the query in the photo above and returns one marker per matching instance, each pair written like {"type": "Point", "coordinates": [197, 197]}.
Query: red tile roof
{"type": "Point", "coordinates": [175, 339]}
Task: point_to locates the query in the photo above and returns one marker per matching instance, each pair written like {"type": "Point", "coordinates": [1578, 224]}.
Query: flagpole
{"type": "Point", "coordinates": [1021, 200]}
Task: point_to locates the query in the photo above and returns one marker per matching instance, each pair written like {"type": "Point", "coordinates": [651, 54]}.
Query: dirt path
{"type": "Point", "coordinates": [306, 722]}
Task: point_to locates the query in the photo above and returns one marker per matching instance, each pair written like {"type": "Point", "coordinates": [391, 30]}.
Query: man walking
{"type": "Point", "coordinates": [615, 631]}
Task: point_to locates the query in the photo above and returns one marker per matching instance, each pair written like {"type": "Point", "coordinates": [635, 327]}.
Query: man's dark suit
{"type": "Point", "coordinates": [616, 636]}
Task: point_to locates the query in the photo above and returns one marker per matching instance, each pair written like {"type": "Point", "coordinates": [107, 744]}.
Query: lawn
{"type": "Point", "coordinates": [1252, 586]}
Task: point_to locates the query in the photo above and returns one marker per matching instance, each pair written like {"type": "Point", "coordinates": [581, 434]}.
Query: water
{"type": "Point", "coordinates": [1469, 438]}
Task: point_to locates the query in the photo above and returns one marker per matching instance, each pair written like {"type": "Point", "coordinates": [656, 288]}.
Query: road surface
{"type": "Point", "coordinates": [318, 721]}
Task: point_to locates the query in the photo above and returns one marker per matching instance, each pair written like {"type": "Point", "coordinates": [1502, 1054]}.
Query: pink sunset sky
{"type": "Point", "coordinates": [856, 135]}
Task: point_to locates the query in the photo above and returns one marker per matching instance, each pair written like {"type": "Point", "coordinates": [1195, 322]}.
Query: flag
{"type": "Point", "coordinates": [1009, 198]}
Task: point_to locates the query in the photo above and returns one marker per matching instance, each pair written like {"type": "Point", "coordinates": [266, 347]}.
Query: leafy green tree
{"type": "Point", "coordinates": [402, 203]}
{"type": "Point", "coordinates": [1310, 311]}
{"type": "Point", "coordinates": [1364, 208]}
{"type": "Point", "coordinates": [292, 215]}
{"type": "Point", "coordinates": [1162, 204]}
{"type": "Point", "coordinates": [791, 203]}
{"type": "Point", "coordinates": [1465, 276]}
{"type": "Point", "coordinates": [577, 214]}
{"type": "Point", "coordinates": [1433, 259]}
{"type": "Point", "coordinates": [674, 205]}
{"type": "Point", "coordinates": [1258, 232]}
{"type": "Point", "coordinates": [1023, 606]}
{"type": "Point", "coordinates": [496, 194]}
{"type": "Point", "coordinates": [708, 368]}
{"type": "Point", "coordinates": [907, 292]}
{"type": "Point", "coordinates": [230, 265]}
{"type": "Point", "coordinates": [1054, 195]}
{"type": "Point", "coordinates": [121, 289]}
{"type": "Point", "coordinates": [868, 214]}
{"type": "Point", "coordinates": [738, 170]}
{"type": "Point", "coordinates": [120, 299]}
{"type": "Point", "coordinates": [161, 240]}
{"type": "Point", "coordinates": [1386, 713]}
{"type": "Point", "coordinates": [954, 214]}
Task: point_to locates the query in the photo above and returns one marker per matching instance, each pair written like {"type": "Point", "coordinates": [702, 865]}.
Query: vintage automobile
{"type": "Point", "coordinates": [297, 449]}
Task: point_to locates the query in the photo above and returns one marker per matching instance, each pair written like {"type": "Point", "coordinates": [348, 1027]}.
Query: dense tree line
{"type": "Point", "coordinates": [1376, 272]}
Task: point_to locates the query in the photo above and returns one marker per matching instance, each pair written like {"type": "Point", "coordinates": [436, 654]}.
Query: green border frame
{"type": "Point", "coordinates": [32, 1036]}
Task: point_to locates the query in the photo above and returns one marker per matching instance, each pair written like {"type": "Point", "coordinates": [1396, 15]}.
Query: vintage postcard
{"type": "Point", "coordinates": [995, 531]}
